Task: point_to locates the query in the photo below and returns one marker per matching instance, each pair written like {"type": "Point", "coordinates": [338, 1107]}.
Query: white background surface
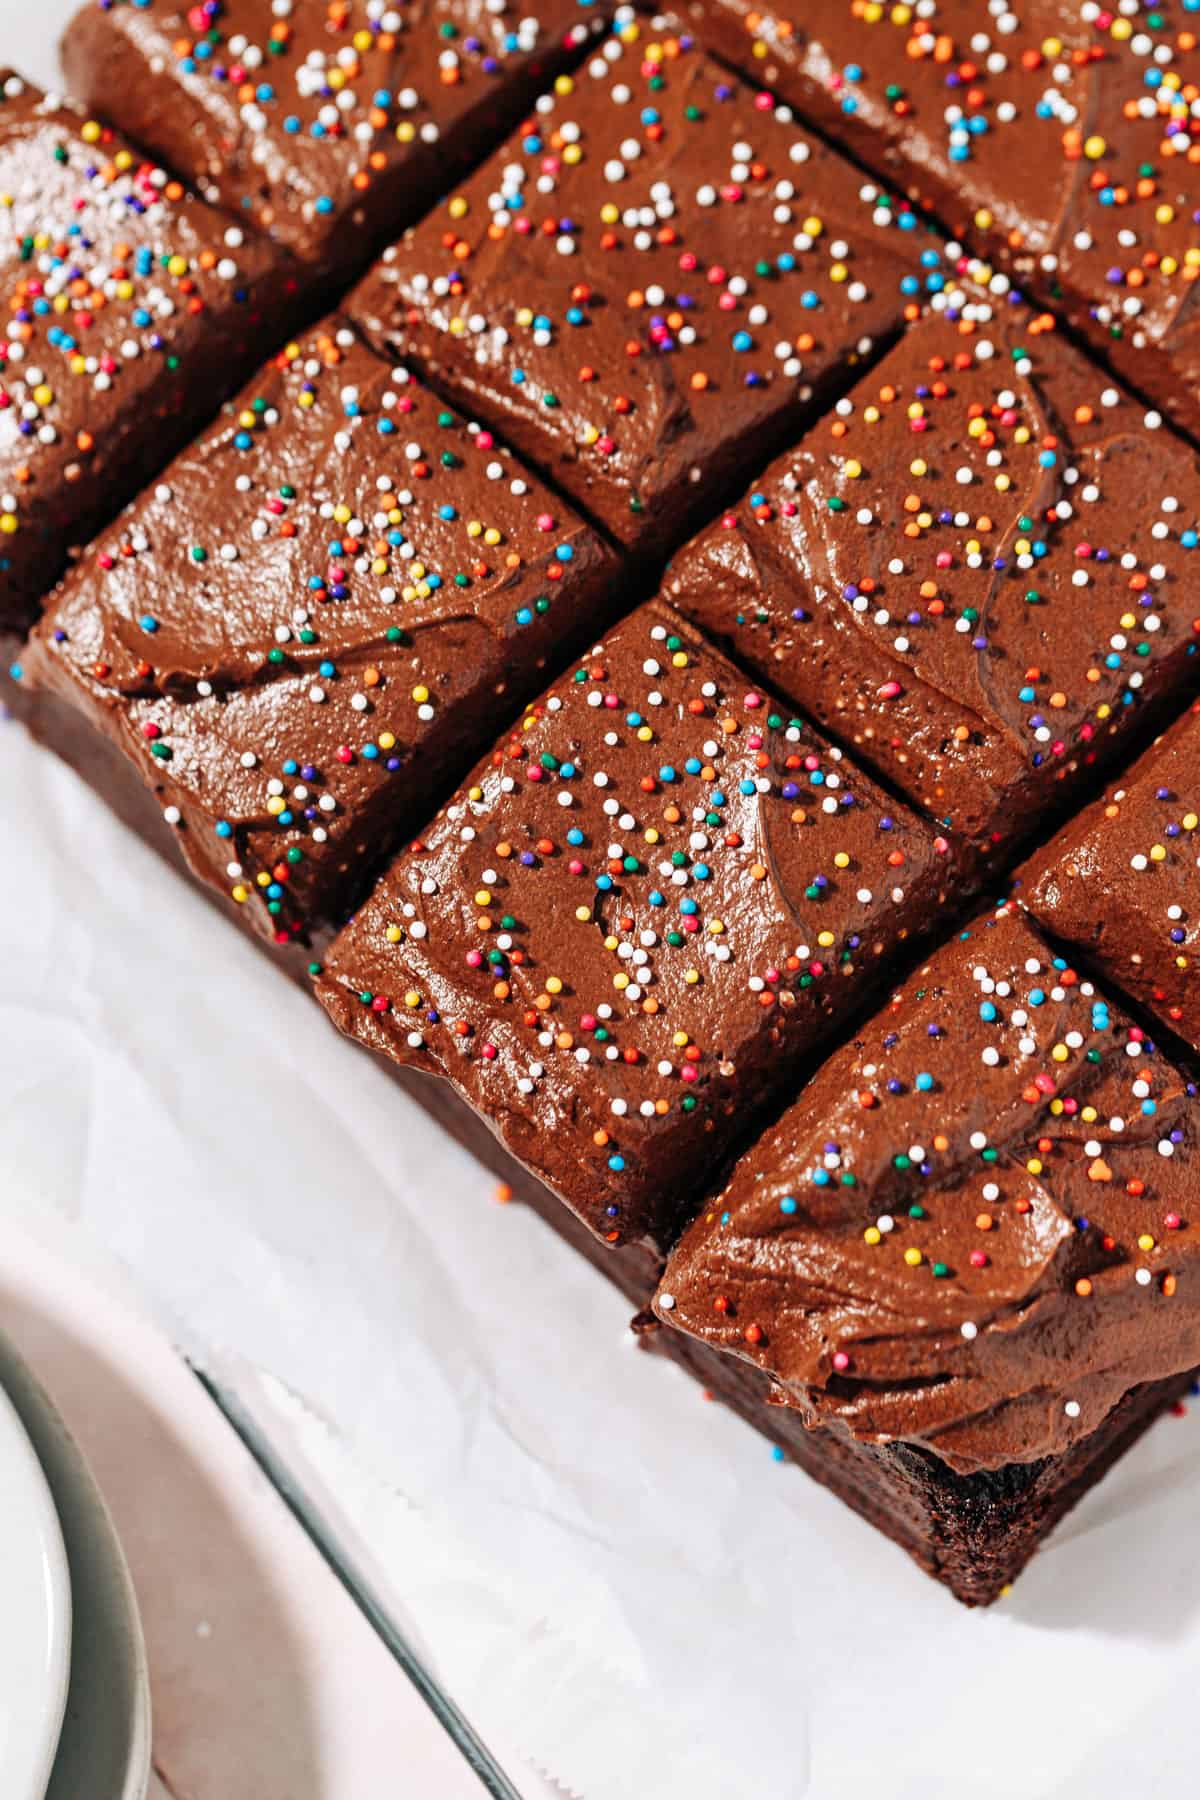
{"type": "Point", "coordinates": [611, 1577]}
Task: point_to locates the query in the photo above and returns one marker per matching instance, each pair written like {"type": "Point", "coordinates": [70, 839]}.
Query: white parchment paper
{"type": "Point", "coordinates": [609, 1574]}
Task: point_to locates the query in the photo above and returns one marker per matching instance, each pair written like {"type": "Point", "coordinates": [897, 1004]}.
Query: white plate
{"type": "Point", "coordinates": [35, 1615]}
{"type": "Point", "coordinates": [104, 1746]}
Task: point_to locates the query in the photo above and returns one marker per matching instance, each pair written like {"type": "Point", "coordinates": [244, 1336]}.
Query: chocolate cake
{"type": "Point", "coordinates": [977, 571]}
{"type": "Point", "coordinates": [131, 309]}
{"type": "Point", "coordinates": [327, 124]}
{"type": "Point", "coordinates": [957, 1276]}
{"type": "Point", "coordinates": [967, 1251]}
{"type": "Point", "coordinates": [315, 619]}
{"type": "Point", "coordinates": [652, 282]}
{"type": "Point", "coordinates": [654, 896]}
{"type": "Point", "coordinates": [1122, 881]}
{"type": "Point", "coordinates": [1056, 137]}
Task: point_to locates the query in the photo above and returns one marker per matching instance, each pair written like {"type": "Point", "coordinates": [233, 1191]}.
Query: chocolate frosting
{"type": "Point", "coordinates": [131, 309]}
{"type": "Point", "coordinates": [653, 282]}
{"type": "Point", "coordinates": [326, 123]}
{"type": "Point", "coordinates": [976, 1229]}
{"type": "Point", "coordinates": [1122, 881]}
{"type": "Point", "coordinates": [319, 615]}
{"type": "Point", "coordinates": [638, 912]}
{"type": "Point", "coordinates": [976, 571]}
{"type": "Point", "coordinates": [1053, 135]}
